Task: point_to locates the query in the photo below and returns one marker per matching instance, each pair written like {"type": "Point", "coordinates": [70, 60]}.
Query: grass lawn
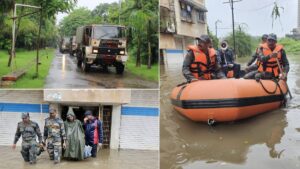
{"type": "Point", "coordinates": [143, 71]}
{"type": "Point", "coordinates": [25, 59]}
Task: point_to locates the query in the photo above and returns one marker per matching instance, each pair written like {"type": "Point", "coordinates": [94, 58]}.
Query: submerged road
{"type": "Point", "coordinates": [106, 159]}
{"type": "Point", "coordinates": [267, 141]}
{"type": "Point", "coordinates": [64, 73]}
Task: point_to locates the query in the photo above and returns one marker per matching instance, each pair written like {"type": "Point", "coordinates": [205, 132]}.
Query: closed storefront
{"type": "Point", "coordinates": [130, 117]}
{"type": "Point", "coordinates": [15, 102]}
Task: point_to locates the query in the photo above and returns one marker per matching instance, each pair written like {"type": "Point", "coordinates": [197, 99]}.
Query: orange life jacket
{"type": "Point", "coordinates": [203, 65]}
{"type": "Point", "coordinates": [271, 65]}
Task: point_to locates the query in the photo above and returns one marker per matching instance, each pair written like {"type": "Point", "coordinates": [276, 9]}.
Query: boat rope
{"type": "Point", "coordinates": [283, 103]}
{"type": "Point", "coordinates": [180, 92]}
{"type": "Point", "coordinates": [266, 90]}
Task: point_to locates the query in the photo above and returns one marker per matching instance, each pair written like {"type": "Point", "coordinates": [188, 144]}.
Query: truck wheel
{"type": "Point", "coordinates": [79, 62]}
{"type": "Point", "coordinates": [79, 58]}
{"type": "Point", "coordinates": [85, 66]}
{"type": "Point", "coordinates": [105, 68]}
{"type": "Point", "coordinates": [120, 68]}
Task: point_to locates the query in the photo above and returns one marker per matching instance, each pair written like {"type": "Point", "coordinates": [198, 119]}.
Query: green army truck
{"type": "Point", "coordinates": [101, 45]}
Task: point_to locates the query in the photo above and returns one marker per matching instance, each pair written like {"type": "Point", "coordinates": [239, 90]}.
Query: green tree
{"type": "Point", "coordinates": [244, 43]}
{"type": "Point", "coordinates": [140, 14]}
{"type": "Point", "coordinates": [215, 40]}
{"type": "Point", "coordinates": [104, 12]}
{"type": "Point", "coordinates": [78, 17]}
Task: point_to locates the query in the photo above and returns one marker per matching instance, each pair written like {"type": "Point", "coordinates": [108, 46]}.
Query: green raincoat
{"type": "Point", "coordinates": [75, 138]}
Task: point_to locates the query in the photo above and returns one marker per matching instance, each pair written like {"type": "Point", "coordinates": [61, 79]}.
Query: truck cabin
{"type": "Point", "coordinates": [99, 32]}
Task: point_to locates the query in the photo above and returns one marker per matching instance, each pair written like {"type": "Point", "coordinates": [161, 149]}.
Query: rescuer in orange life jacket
{"type": "Point", "coordinates": [200, 62]}
{"type": "Point", "coordinates": [251, 68]}
{"type": "Point", "coordinates": [271, 52]}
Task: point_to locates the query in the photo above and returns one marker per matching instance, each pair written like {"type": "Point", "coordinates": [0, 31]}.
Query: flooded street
{"type": "Point", "coordinates": [106, 159]}
{"type": "Point", "coordinates": [65, 74]}
{"type": "Point", "coordinates": [270, 140]}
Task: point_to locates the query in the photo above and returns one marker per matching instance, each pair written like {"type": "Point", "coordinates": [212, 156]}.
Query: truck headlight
{"type": "Point", "coordinates": [122, 52]}
{"type": "Point", "coordinates": [95, 50]}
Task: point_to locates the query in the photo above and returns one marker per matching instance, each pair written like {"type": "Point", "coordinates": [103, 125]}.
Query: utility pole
{"type": "Point", "coordinates": [232, 14]}
{"type": "Point", "coordinates": [216, 26]}
{"type": "Point", "coordinates": [120, 7]}
{"type": "Point", "coordinates": [14, 18]}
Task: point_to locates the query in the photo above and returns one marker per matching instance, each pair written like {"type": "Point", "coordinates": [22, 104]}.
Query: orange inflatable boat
{"type": "Point", "coordinates": [227, 99]}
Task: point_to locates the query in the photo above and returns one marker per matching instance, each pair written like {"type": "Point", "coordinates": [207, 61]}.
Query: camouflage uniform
{"type": "Point", "coordinates": [29, 145]}
{"type": "Point", "coordinates": [54, 132]}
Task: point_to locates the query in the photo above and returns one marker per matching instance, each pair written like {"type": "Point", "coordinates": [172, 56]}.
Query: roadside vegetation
{"type": "Point", "coordinates": [26, 60]}
{"type": "Point", "coordinates": [27, 33]}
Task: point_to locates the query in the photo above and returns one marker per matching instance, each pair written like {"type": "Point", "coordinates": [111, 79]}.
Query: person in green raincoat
{"type": "Point", "coordinates": [75, 137]}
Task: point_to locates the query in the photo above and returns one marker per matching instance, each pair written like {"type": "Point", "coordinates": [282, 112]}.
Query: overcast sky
{"type": "Point", "coordinates": [255, 13]}
{"type": "Point", "coordinates": [90, 4]}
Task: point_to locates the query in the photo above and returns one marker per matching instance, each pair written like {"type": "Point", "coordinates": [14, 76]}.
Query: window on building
{"type": "Point", "coordinates": [186, 12]}
{"type": "Point", "coordinates": [201, 16]}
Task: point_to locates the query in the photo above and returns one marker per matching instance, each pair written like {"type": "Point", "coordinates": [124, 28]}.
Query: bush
{"type": "Point", "coordinates": [290, 45]}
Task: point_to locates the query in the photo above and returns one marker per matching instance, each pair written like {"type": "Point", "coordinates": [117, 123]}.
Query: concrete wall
{"type": "Point", "coordinates": [189, 29]}
{"type": "Point", "coordinates": [106, 96]}
{"type": "Point", "coordinates": [185, 31]}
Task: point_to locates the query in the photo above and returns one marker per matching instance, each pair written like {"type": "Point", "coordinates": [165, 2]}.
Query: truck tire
{"type": "Point", "coordinates": [85, 66]}
{"type": "Point", "coordinates": [79, 62]}
{"type": "Point", "coordinates": [120, 68]}
{"type": "Point", "coordinates": [79, 59]}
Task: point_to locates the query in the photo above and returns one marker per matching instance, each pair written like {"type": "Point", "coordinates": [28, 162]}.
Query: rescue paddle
{"type": "Point", "coordinates": [287, 87]}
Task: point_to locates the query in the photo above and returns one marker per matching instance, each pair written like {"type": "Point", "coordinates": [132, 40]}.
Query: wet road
{"type": "Point", "coordinates": [270, 140]}
{"type": "Point", "coordinates": [65, 74]}
{"type": "Point", "coordinates": [106, 159]}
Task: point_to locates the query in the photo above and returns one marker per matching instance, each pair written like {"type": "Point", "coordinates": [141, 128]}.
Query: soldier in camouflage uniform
{"type": "Point", "coordinates": [54, 134]}
{"type": "Point", "coordinates": [29, 130]}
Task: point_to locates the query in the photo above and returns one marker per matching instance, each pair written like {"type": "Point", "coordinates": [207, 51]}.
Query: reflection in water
{"type": "Point", "coordinates": [187, 144]}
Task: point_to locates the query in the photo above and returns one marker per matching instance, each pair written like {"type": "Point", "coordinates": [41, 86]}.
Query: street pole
{"type": "Point", "coordinates": [13, 36]}
{"type": "Point", "coordinates": [14, 18]}
{"type": "Point", "coordinates": [232, 15]}
{"type": "Point", "coordinates": [120, 7]}
{"type": "Point", "coordinates": [38, 46]}
{"type": "Point", "coordinates": [216, 27]}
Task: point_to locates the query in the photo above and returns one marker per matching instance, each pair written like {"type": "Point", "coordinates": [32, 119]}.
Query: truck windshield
{"type": "Point", "coordinates": [108, 32]}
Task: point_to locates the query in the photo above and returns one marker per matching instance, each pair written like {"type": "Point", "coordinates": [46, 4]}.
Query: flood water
{"type": "Point", "coordinates": [106, 159]}
{"type": "Point", "coordinates": [270, 140]}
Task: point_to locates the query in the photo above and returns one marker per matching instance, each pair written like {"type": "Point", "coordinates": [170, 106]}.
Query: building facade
{"type": "Point", "coordinates": [296, 31]}
{"type": "Point", "coordinates": [130, 117]}
{"type": "Point", "coordinates": [180, 22]}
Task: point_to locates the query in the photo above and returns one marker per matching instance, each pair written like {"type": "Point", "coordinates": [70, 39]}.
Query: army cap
{"type": "Point", "coordinates": [88, 112]}
{"type": "Point", "coordinates": [52, 110]}
{"type": "Point", "coordinates": [204, 38]}
{"type": "Point", "coordinates": [25, 115]}
{"type": "Point", "coordinates": [265, 36]}
{"type": "Point", "coordinates": [272, 36]}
